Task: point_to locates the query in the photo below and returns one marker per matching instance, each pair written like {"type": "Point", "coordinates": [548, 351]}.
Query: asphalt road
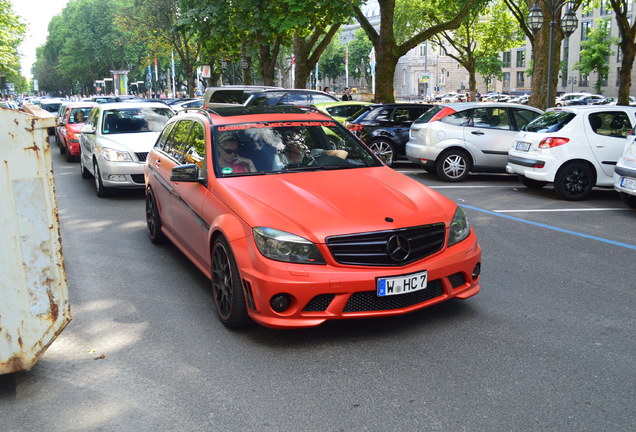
{"type": "Point", "coordinates": [548, 345]}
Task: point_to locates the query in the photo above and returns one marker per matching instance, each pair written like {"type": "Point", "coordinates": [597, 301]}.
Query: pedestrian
{"type": "Point", "coordinates": [346, 96]}
{"type": "Point", "coordinates": [326, 89]}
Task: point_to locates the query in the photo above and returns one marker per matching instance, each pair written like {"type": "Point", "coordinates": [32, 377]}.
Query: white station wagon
{"type": "Point", "coordinates": [576, 148]}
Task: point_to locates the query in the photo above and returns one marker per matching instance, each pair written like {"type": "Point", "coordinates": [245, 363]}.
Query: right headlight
{"type": "Point", "coordinates": [115, 155]}
{"type": "Point", "coordinates": [459, 227]}
{"type": "Point", "coordinates": [283, 246]}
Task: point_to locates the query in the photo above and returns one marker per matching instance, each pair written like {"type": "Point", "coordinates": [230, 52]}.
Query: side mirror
{"type": "Point", "coordinates": [87, 129]}
{"type": "Point", "coordinates": [185, 173]}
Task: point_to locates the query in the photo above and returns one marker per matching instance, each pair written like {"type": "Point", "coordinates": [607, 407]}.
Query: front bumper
{"type": "Point", "coordinates": [322, 292]}
{"type": "Point", "coordinates": [124, 175]}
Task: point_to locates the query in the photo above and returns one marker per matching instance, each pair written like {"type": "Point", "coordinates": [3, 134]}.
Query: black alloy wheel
{"type": "Point", "coordinates": [574, 181]}
{"type": "Point", "coordinates": [153, 219]}
{"type": "Point", "coordinates": [226, 286]}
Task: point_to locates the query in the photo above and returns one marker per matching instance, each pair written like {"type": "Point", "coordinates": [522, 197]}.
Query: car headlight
{"type": "Point", "coordinates": [116, 156]}
{"type": "Point", "coordinates": [283, 246]}
{"type": "Point", "coordinates": [459, 227]}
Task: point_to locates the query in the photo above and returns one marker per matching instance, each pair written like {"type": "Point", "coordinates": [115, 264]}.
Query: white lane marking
{"type": "Point", "coordinates": [560, 210]}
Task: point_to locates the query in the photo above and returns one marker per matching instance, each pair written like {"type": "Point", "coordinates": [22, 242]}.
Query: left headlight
{"type": "Point", "coordinates": [459, 227]}
{"type": "Point", "coordinates": [283, 246]}
{"type": "Point", "coordinates": [116, 156]}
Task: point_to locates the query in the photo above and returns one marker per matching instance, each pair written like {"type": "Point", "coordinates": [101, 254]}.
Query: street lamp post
{"type": "Point", "coordinates": [572, 81]}
{"type": "Point", "coordinates": [569, 23]}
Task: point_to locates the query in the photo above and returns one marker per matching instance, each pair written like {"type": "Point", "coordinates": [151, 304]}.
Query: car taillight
{"type": "Point", "coordinates": [446, 111]}
{"type": "Point", "coordinates": [353, 127]}
{"type": "Point", "coordinates": [552, 142]}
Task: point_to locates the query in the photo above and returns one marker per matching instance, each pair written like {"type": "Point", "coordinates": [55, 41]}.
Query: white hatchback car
{"type": "Point", "coordinates": [625, 172]}
{"type": "Point", "coordinates": [115, 141]}
{"type": "Point", "coordinates": [455, 139]}
{"type": "Point", "coordinates": [576, 148]}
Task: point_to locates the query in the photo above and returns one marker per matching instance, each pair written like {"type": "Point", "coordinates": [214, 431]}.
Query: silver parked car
{"type": "Point", "coordinates": [456, 139]}
{"type": "Point", "coordinates": [115, 141]}
{"type": "Point", "coordinates": [625, 172]}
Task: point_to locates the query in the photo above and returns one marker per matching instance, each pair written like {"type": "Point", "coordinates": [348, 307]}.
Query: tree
{"type": "Point", "coordinates": [359, 49]}
{"type": "Point", "coordinates": [332, 61]}
{"type": "Point", "coordinates": [404, 27]}
{"type": "Point", "coordinates": [157, 24]}
{"type": "Point", "coordinates": [484, 32]}
{"type": "Point", "coordinates": [627, 44]}
{"type": "Point", "coordinates": [12, 31]}
{"type": "Point", "coordinates": [490, 67]}
{"type": "Point", "coordinates": [541, 45]}
{"type": "Point", "coordinates": [595, 52]}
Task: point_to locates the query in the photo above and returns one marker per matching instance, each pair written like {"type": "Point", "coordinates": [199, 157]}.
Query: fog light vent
{"type": "Point", "coordinates": [280, 302]}
{"type": "Point", "coordinates": [477, 271]}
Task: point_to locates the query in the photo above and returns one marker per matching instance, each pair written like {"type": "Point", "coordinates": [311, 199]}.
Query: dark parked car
{"type": "Point", "coordinates": [298, 97]}
{"type": "Point", "coordinates": [385, 127]}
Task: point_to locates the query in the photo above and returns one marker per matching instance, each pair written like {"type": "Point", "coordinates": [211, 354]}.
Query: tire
{"type": "Point", "coordinates": [453, 165]}
{"type": "Point", "coordinates": [629, 200]}
{"type": "Point", "coordinates": [530, 183]}
{"type": "Point", "coordinates": [384, 148]}
{"type": "Point", "coordinates": [574, 181]}
{"type": "Point", "coordinates": [227, 291]}
{"type": "Point", "coordinates": [69, 157]}
{"type": "Point", "coordinates": [83, 171]}
{"type": "Point", "coordinates": [153, 219]}
{"type": "Point", "coordinates": [100, 190]}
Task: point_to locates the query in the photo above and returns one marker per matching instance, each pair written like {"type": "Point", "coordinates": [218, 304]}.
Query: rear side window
{"type": "Point", "coordinates": [523, 117]}
{"type": "Point", "coordinates": [552, 121]}
{"type": "Point", "coordinates": [428, 115]}
{"type": "Point", "coordinates": [613, 124]}
{"type": "Point", "coordinates": [493, 118]}
{"type": "Point", "coordinates": [460, 118]}
{"type": "Point", "coordinates": [177, 145]}
{"type": "Point", "coordinates": [383, 115]}
{"type": "Point", "coordinates": [229, 96]}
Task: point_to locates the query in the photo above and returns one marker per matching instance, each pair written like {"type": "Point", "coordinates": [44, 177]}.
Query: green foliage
{"type": "Point", "coordinates": [12, 31]}
{"type": "Point", "coordinates": [332, 61]}
{"type": "Point", "coordinates": [596, 51]}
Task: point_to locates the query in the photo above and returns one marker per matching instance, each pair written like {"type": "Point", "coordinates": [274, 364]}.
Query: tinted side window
{"type": "Point", "coordinates": [161, 142]}
{"type": "Point", "coordinates": [195, 151]}
{"type": "Point", "coordinates": [295, 99]}
{"type": "Point", "coordinates": [613, 123]}
{"type": "Point", "coordinates": [493, 118]}
{"type": "Point", "coordinates": [457, 119]}
{"type": "Point", "coordinates": [523, 117]}
{"type": "Point", "coordinates": [383, 114]}
{"type": "Point", "coordinates": [229, 96]}
{"type": "Point", "coordinates": [178, 141]}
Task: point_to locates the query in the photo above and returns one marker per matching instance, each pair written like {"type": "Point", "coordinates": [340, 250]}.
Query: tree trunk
{"type": "Point", "coordinates": [625, 75]}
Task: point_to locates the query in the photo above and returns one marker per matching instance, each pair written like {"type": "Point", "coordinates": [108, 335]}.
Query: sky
{"type": "Point", "coordinates": [36, 14]}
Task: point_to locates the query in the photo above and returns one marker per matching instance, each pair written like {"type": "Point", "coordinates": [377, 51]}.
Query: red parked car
{"type": "Point", "coordinates": [296, 222]}
{"type": "Point", "coordinates": [69, 125]}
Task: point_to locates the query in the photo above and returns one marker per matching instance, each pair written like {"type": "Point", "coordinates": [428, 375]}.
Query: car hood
{"type": "Point", "coordinates": [135, 142]}
{"type": "Point", "coordinates": [75, 127]}
{"type": "Point", "coordinates": [318, 204]}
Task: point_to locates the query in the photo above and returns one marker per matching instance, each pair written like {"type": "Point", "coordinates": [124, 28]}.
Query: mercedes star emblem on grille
{"type": "Point", "coordinates": [398, 248]}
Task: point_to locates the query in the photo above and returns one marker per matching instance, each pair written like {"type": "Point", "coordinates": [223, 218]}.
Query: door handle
{"type": "Point", "coordinates": [477, 133]}
{"type": "Point", "coordinates": [158, 162]}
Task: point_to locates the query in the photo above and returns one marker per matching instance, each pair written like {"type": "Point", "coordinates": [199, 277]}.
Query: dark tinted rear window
{"type": "Point", "coordinates": [229, 96]}
{"type": "Point", "coordinates": [549, 122]}
{"type": "Point", "coordinates": [428, 115]}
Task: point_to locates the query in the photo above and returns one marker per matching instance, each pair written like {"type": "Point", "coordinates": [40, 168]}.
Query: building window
{"type": "Point", "coordinates": [520, 79]}
{"type": "Point", "coordinates": [442, 77]}
{"type": "Point", "coordinates": [604, 81]}
{"type": "Point", "coordinates": [506, 80]}
{"type": "Point", "coordinates": [404, 75]}
{"type": "Point", "coordinates": [507, 56]}
{"type": "Point", "coordinates": [584, 80]}
{"type": "Point", "coordinates": [586, 9]}
{"type": "Point", "coordinates": [605, 10]}
{"type": "Point", "coordinates": [422, 49]}
{"type": "Point", "coordinates": [521, 58]}
{"type": "Point", "coordinates": [586, 26]}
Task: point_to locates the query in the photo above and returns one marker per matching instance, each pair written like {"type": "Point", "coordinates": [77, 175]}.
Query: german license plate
{"type": "Point", "coordinates": [522, 146]}
{"type": "Point", "coordinates": [628, 183]}
{"type": "Point", "coordinates": [401, 284]}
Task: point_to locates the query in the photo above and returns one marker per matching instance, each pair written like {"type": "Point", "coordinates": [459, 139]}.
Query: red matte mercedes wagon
{"type": "Point", "coordinates": [296, 222]}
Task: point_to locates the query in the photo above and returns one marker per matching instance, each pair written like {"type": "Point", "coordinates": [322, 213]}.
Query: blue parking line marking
{"type": "Point", "coordinates": [563, 230]}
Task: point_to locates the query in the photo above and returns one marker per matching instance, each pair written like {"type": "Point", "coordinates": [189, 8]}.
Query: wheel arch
{"type": "Point", "coordinates": [586, 162]}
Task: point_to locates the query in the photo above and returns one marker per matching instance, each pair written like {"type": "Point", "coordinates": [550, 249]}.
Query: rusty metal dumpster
{"type": "Point", "coordinates": [34, 304]}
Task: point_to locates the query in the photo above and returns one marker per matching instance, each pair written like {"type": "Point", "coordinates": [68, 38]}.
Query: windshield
{"type": "Point", "coordinates": [133, 120]}
{"type": "Point", "coordinates": [79, 115]}
{"type": "Point", "coordinates": [277, 147]}
{"type": "Point", "coordinates": [552, 121]}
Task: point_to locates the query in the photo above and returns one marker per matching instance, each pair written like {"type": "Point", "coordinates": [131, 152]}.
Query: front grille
{"type": "Point", "coordinates": [138, 178]}
{"type": "Point", "coordinates": [319, 303]}
{"type": "Point", "coordinates": [372, 249]}
{"type": "Point", "coordinates": [369, 301]}
{"type": "Point", "coordinates": [141, 157]}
